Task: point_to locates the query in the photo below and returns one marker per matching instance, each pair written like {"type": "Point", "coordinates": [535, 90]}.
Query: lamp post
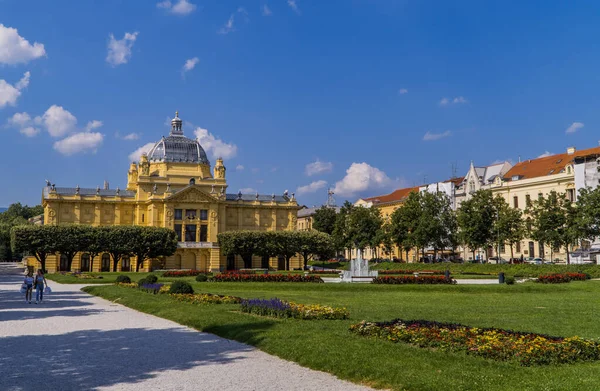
{"type": "Point", "coordinates": [497, 223]}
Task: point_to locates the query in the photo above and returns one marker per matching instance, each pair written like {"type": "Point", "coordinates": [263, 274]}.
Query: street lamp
{"type": "Point", "coordinates": [497, 223]}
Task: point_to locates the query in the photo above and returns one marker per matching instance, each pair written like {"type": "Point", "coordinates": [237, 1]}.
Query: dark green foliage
{"type": "Point", "coordinates": [151, 278]}
{"type": "Point", "coordinates": [509, 280]}
{"type": "Point", "coordinates": [324, 219]}
{"type": "Point", "coordinates": [15, 215]}
{"type": "Point", "coordinates": [201, 277]}
{"type": "Point", "coordinates": [123, 279]}
{"type": "Point", "coordinates": [181, 287]}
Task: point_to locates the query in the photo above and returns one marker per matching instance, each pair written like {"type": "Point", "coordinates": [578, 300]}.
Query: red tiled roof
{"type": "Point", "coordinates": [548, 165]}
{"type": "Point", "coordinates": [456, 181]}
{"type": "Point", "coordinates": [396, 195]}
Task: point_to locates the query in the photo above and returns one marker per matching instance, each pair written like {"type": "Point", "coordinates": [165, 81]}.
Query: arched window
{"type": "Point", "coordinates": [125, 263]}
{"type": "Point", "coordinates": [85, 263]}
{"type": "Point", "coordinates": [105, 267]}
{"type": "Point", "coordinates": [192, 181]}
{"type": "Point", "coordinates": [64, 264]}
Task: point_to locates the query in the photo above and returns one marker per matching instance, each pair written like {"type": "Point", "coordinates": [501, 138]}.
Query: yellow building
{"type": "Point", "coordinates": [172, 186]}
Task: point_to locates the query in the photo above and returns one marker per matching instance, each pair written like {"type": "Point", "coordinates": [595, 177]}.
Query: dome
{"type": "Point", "coordinates": [177, 147]}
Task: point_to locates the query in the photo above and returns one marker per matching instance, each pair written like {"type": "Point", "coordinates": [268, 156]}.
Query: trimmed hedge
{"type": "Point", "coordinates": [123, 279]}
{"type": "Point", "coordinates": [181, 287]}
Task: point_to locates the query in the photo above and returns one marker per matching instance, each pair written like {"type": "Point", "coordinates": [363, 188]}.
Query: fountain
{"type": "Point", "coordinates": [359, 270]}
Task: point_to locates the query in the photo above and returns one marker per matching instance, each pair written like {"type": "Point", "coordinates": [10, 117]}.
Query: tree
{"type": "Point", "coordinates": [242, 243]}
{"type": "Point", "coordinates": [509, 225]}
{"type": "Point", "coordinates": [324, 219]}
{"type": "Point", "coordinates": [152, 242]}
{"type": "Point", "coordinates": [120, 240]}
{"type": "Point", "coordinates": [33, 239]}
{"type": "Point", "coordinates": [588, 216]}
{"type": "Point", "coordinates": [15, 215]}
{"type": "Point", "coordinates": [94, 241]}
{"type": "Point", "coordinates": [554, 221]}
{"type": "Point", "coordinates": [362, 226]}
{"type": "Point", "coordinates": [341, 234]}
{"type": "Point", "coordinates": [475, 219]}
{"type": "Point", "coordinates": [404, 221]}
{"type": "Point", "coordinates": [314, 243]}
{"type": "Point", "coordinates": [67, 240]}
{"type": "Point", "coordinates": [286, 244]}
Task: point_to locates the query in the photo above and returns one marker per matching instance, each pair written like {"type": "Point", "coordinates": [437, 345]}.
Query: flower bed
{"type": "Point", "coordinates": [325, 272]}
{"type": "Point", "coordinates": [183, 273]}
{"type": "Point", "coordinates": [283, 309]}
{"type": "Point", "coordinates": [206, 298]}
{"type": "Point", "coordinates": [392, 271]}
{"type": "Point", "coordinates": [497, 344]}
{"type": "Point", "coordinates": [128, 284]}
{"type": "Point", "coordinates": [413, 280]}
{"type": "Point", "coordinates": [151, 288]}
{"type": "Point", "coordinates": [237, 277]}
{"type": "Point", "coordinates": [559, 278]}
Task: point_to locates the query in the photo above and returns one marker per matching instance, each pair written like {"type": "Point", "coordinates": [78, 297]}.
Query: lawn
{"type": "Point", "coordinates": [563, 310]}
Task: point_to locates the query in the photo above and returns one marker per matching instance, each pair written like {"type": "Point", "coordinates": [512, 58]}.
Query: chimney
{"type": "Point", "coordinates": [571, 150]}
{"type": "Point", "coordinates": [106, 187]}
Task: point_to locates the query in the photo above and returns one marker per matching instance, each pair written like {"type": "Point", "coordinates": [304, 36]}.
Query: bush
{"type": "Point", "coordinates": [183, 273]}
{"type": "Point", "coordinates": [181, 287]}
{"type": "Point", "coordinates": [151, 278]}
{"type": "Point", "coordinates": [509, 280]}
{"type": "Point", "coordinates": [123, 279]}
{"type": "Point", "coordinates": [143, 281]}
{"type": "Point", "coordinates": [201, 277]}
{"type": "Point", "coordinates": [151, 288]}
{"type": "Point", "coordinates": [559, 278]}
{"type": "Point", "coordinates": [283, 309]}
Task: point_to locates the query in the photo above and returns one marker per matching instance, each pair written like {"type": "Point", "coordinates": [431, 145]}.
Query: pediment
{"type": "Point", "coordinates": [191, 194]}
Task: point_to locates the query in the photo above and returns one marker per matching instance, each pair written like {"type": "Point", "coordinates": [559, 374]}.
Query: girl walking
{"type": "Point", "coordinates": [40, 283]}
{"type": "Point", "coordinates": [28, 282]}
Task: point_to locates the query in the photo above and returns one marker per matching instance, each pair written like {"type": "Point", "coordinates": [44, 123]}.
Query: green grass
{"type": "Point", "coordinates": [564, 310]}
{"type": "Point", "coordinates": [109, 277]}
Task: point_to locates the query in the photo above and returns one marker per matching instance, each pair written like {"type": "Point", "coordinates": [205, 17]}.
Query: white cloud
{"type": "Point", "coordinates": [189, 64]}
{"type": "Point", "coordinates": [216, 147]}
{"type": "Point", "coordinates": [95, 124]}
{"type": "Point", "coordinates": [24, 123]}
{"type": "Point", "coordinates": [294, 6]}
{"type": "Point", "coordinates": [436, 136]}
{"type": "Point", "coordinates": [15, 49]}
{"type": "Point", "coordinates": [458, 100]}
{"type": "Point", "coordinates": [29, 131]}
{"type": "Point", "coordinates": [575, 126]}
{"type": "Point", "coordinates": [135, 155]}
{"type": "Point", "coordinates": [361, 177]}
{"type": "Point", "coordinates": [318, 167]}
{"type": "Point", "coordinates": [119, 50]}
{"type": "Point", "coordinates": [402, 91]}
{"type": "Point", "coordinates": [266, 11]}
{"type": "Point", "coordinates": [58, 121]}
{"type": "Point", "coordinates": [131, 136]}
{"type": "Point", "coordinates": [9, 93]}
{"type": "Point", "coordinates": [248, 190]}
{"type": "Point", "coordinates": [79, 142]}
{"type": "Point", "coordinates": [311, 188]}
{"type": "Point", "coordinates": [180, 7]}
{"type": "Point", "coordinates": [545, 154]}
{"type": "Point", "coordinates": [228, 27]}
{"type": "Point", "coordinates": [239, 167]}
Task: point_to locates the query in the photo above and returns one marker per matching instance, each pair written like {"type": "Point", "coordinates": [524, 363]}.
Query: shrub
{"type": "Point", "coordinates": [151, 278]}
{"type": "Point", "coordinates": [151, 288]}
{"type": "Point", "coordinates": [143, 281]}
{"type": "Point", "coordinates": [497, 344]}
{"type": "Point", "coordinates": [413, 280]}
{"type": "Point", "coordinates": [181, 287]}
{"type": "Point", "coordinates": [559, 278]}
{"type": "Point", "coordinates": [201, 277]}
{"type": "Point", "coordinates": [123, 279]}
{"type": "Point", "coordinates": [509, 280]}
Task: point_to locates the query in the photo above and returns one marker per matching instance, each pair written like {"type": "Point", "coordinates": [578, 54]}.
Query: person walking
{"type": "Point", "coordinates": [28, 282]}
{"type": "Point", "coordinates": [40, 283]}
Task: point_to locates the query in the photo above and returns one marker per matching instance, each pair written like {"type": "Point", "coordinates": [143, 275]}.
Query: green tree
{"type": "Point", "coordinates": [341, 233]}
{"type": "Point", "coordinates": [363, 225]}
{"type": "Point", "coordinates": [509, 225]}
{"type": "Point", "coordinates": [120, 240]}
{"type": "Point", "coordinates": [314, 243]}
{"type": "Point", "coordinates": [286, 244]}
{"type": "Point", "coordinates": [15, 215]}
{"type": "Point", "coordinates": [475, 219]}
{"type": "Point", "coordinates": [152, 242]}
{"type": "Point", "coordinates": [324, 219]}
{"type": "Point", "coordinates": [242, 243]}
{"type": "Point", "coordinates": [33, 239]}
{"type": "Point", "coordinates": [404, 221]}
{"type": "Point", "coordinates": [94, 241]}
{"type": "Point", "coordinates": [588, 216]}
{"type": "Point", "coordinates": [67, 240]}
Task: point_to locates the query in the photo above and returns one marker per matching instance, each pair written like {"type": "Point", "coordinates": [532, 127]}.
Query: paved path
{"type": "Point", "coordinates": [75, 341]}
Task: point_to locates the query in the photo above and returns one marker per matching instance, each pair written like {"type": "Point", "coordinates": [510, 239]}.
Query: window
{"type": "Point", "coordinates": [527, 200]}
{"type": "Point", "coordinates": [178, 228]}
{"type": "Point", "coordinates": [142, 217]}
{"type": "Point", "coordinates": [472, 187]}
{"type": "Point", "coordinates": [204, 233]}
{"type": "Point", "coordinates": [571, 195]}
{"type": "Point", "coordinates": [203, 214]}
{"type": "Point", "coordinates": [541, 250]}
{"type": "Point", "coordinates": [192, 181]}
{"type": "Point", "coordinates": [540, 196]}
{"type": "Point", "coordinates": [105, 267]}
{"type": "Point", "coordinates": [516, 201]}
{"type": "Point", "coordinates": [85, 263]}
{"type": "Point", "coordinates": [528, 224]}
{"type": "Point", "coordinates": [190, 232]}
{"type": "Point", "coordinates": [502, 248]}
{"type": "Point", "coordinates": [125, 263]}
{"type": "Point", "coordinates": [190, 214]}
{"type": "Point", "coordinates": [518, 247]}
{"type": "Point", "coordinates": [178, 214]}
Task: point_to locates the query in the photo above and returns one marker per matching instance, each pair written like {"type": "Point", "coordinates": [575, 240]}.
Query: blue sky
{"type": "Point", "coordinates": [364, 95]}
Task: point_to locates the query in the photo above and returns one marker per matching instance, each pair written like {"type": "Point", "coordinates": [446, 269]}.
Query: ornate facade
{"type": "Point", "coordinates": [172, 186]}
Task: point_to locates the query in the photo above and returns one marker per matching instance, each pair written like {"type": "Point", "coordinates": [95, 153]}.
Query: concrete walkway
{"type": "Point", "coordinates": [75, 341]}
